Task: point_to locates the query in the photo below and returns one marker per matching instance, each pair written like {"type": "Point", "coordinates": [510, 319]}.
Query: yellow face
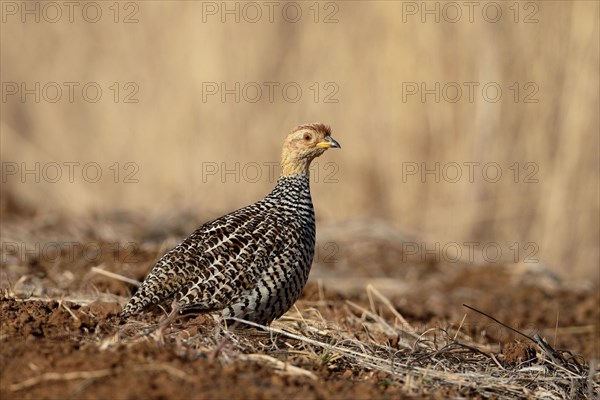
{"type": "Point", "coordinates": [303, 145]}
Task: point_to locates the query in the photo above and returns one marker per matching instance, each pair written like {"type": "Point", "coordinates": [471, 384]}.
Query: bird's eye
{"type": "Point", "coordinates": [306, 136]}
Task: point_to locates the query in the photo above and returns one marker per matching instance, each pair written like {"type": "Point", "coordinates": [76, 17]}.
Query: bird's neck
{"type": "Point", "coordinates": [294, 166]}
{"type": "Point", "coordinates": [293, 193]}
{"type": "Point", "coordinates": [293, 186]}
{"type": "Point", "coordinates": [294, 170]}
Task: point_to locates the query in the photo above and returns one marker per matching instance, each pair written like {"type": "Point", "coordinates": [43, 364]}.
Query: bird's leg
{"type": "Point", "coordinates": [227, 331]}
{"type": "Point", "coordinates": [165, 322]}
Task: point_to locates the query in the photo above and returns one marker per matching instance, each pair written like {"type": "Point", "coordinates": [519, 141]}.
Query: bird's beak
{"type": "Point", "coordinates": [328, 143]}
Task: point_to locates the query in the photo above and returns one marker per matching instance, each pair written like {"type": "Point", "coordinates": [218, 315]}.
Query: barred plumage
{"type": "Point", "coordinates": [254, 262]}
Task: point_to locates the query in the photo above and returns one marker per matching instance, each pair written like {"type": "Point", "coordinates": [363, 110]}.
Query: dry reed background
{"type": "Point", "coordinates": [171, 134]}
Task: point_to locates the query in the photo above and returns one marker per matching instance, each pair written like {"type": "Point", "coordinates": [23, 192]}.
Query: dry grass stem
{"type": "Point", "coordinates": [116, 276]}
{"type": "Point", "coordinates": [69, 376]}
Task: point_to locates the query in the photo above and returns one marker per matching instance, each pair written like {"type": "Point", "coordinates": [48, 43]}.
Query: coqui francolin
{"type": "Point", "coordinates": [254, 262]}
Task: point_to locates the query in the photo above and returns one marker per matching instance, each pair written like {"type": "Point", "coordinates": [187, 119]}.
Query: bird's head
{"type": "Point", "coordinates": [303, 145]}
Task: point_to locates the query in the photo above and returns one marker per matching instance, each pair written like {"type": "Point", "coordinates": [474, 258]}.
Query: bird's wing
{"type": "Point", "coordinates": [233, 263]}
{"type": "Point", "coordinates": [220, 259]}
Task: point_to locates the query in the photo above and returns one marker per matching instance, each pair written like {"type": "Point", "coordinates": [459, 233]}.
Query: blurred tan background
{"type": "Point", "coordinates": [172, 146]}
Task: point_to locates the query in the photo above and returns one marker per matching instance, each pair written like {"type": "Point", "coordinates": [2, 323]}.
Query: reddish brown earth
{"type": "Point", "coordinates": [52, 348]}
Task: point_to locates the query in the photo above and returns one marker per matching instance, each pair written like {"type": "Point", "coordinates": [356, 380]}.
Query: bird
{"type": "Point", "coordinates": [251, 264]}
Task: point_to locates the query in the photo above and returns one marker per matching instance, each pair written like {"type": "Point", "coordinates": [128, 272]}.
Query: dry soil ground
{"type": "Point", "coordinates": [405, 336]}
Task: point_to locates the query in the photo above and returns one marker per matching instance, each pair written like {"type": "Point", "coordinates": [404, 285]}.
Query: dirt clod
{"type": "Point", "coordinates": [518, 353]}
